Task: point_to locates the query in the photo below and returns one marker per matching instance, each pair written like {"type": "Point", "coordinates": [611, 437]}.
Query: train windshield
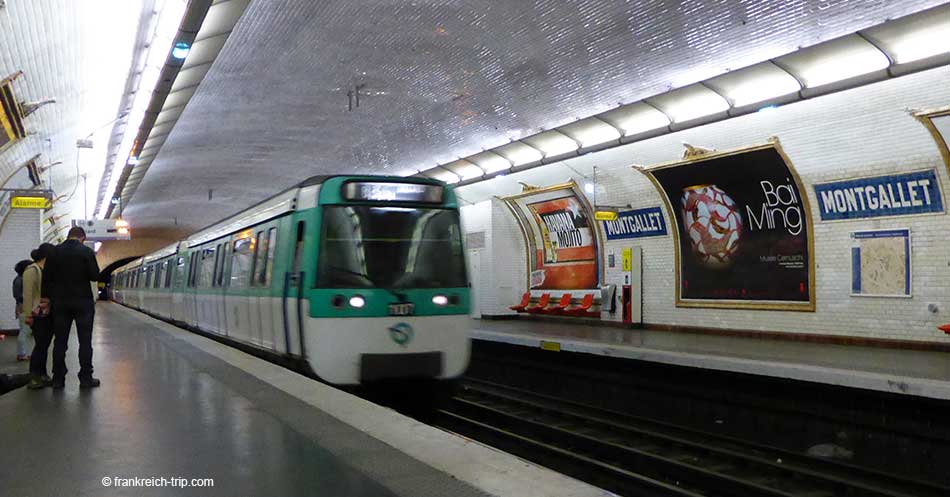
{"type": "Point", "coordinates": [390, 247]}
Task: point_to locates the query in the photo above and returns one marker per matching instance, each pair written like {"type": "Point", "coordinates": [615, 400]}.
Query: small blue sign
{"type": "Point", "coordinates": [636, 224]}
{"type": "Point", "coordinates": [897, 195]}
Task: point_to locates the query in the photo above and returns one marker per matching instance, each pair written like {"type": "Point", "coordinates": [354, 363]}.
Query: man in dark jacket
{"type": "Point", "coordinates": [66, 280]}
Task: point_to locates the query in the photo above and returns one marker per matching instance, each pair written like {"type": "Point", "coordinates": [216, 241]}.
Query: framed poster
{"type": "Point", "coordinates": [743, 233]}
{"type": "Point", "coordinates": [938, 123]}
{"type": "Point", "coordinates": [880, 263]}
{"type": "Point", "coordinates": [561, 235]}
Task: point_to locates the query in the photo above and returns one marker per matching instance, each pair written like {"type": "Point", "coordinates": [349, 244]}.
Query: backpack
{"type": "Point", "coordinates": [18, 289]}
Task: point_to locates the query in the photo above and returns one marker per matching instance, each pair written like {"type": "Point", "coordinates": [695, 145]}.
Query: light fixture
{"type": "Point", "coordinates": [115, 201]}
{"type": "Point", "coordinates": [180, 50]}
{"type": "Point", "coordinates": [552, 143]}
{"type": "Point", "coordinates": [96, 246]}
{"type": "Point", "coordinates": [490, 162]}
{"type": "Point", "coordinates": [440, 300]}
{"type": "Point", "coordinates": [519, 153]}
{"type": "Point", "coordinates": [133, 160]}
{"type": "Point", "coordinates": [754, 84]}
{"type": "Point", "coordinates": [768, 108]}
{"type": "Point", "coordinates": [689, 103]}
{"type": "Point", "coordinates": [357, 301]}
{"type": "Point", "coordinates": [464, 169]}
{"type": "Point", "coordinates": [914, 37]}
{"type": "Point", "coordinates": [591, 132]}
{"type": "Point", "coordinates": [636, 118]}
{"type": "Point", "coordinates": [589, 188]}
{"type": "Point", "coordinates": [121, 223]}
{"type": "Point", "coordinates": [833, 61]}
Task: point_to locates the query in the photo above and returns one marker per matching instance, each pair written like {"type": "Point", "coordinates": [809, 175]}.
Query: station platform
{"type": "Point", "coordinates": [910, 372]}
{"type": "Point", "coordinates": [179, 406]}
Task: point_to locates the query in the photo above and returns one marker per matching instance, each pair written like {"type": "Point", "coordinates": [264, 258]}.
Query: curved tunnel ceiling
{"type": "Point", "coordinates": [438, 80]}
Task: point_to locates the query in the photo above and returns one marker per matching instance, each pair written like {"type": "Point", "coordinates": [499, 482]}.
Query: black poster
{"type": "Point", "coordinates": [743, 231]}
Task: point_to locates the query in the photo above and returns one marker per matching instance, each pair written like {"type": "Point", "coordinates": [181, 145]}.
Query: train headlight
{"type": "Point", "coordinates": [440, 300]}
{"type": "Point", "coordinates": [357, 301]}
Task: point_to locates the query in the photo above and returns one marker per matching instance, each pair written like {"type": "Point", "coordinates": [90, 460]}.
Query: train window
{"type": "Point", "coordinates": [260, 250]}
{"type": "Point", "coordinates": [168, 273]}
{"type": "Point", "coordinates": [216, 272]}
{"type": "Point", "coordinates": [148, 276]}
{"type": "Point", "coordinates": [193, 268]}
{"type": "Point", "coordinates": [157, 277]}
{"type": "Point", "coordinates": [271, 250]}
{"type": "Point", "coordinates": [206, 267]}
{"type": "Point", "coordinates": [242, 260]}
{"type": "Point", "coordinates": [389, 247]}
{"type": "Point", "coordinates": [226, 247]}
{"type": "Point", "coordinates": [179, 272]}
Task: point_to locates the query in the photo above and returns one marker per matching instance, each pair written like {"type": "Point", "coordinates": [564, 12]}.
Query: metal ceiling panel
{"type": "Point", "coordinates": [304, 87]}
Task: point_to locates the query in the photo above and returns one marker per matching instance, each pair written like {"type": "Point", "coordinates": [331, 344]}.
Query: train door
{"type": "Point", "coordinates": [190, 292]}
{"type": "Point", "coordinates": [177, 289]}
{"type": "Point", "coordinates": [293, 280]}
{"type": "Point", "coordinates": [271, 336]}
{"type": "Point", "coordinates": [238, 290]}
{"type": "Point", "coordinates": [474, 281]}
{"type": "Point", "coordinates": [253, 302]}
{"type": "Point", "coordinates": [222, 277]}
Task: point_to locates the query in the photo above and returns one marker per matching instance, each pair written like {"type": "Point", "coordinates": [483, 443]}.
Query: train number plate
{"type": "Point", "coordinates": [401, 309]}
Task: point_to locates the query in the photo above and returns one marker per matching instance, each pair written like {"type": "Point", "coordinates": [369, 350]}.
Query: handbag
{"type": "Point", "coordinates": [40, 313]}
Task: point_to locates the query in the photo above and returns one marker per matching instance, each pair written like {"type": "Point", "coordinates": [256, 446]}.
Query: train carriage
{"type": "Point", "coordinates": [362, 278]}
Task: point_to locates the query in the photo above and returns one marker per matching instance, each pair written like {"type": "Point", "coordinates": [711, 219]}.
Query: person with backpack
{"type": "Point", "coordinates": [38, 316]}
{"type": "Point", "coordinates": [25, 333]}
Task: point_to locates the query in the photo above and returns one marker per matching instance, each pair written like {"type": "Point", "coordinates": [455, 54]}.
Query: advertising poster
{"type": "Point", "coordinates": [743, 232]}
{"type": "Point", "coordinates": [562, 240]}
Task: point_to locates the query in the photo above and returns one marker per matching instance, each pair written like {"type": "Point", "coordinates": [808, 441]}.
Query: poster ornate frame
{"type": "Point", "coordinates": [528, 235]}
{"type": "Point", "coordinates": [926, 118]}
{"type": "Point", "coordinates": [772, 142]}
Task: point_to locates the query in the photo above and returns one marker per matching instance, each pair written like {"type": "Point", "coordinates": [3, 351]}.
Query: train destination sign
{"type": "Point", "coordinates": [895, 195]}
{"type": "Point", "coordinates": [392, 192]}
{"type": "Point", "coordinates": [637, 223]}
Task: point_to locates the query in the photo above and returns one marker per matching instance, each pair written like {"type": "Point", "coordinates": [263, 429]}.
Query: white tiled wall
{"type": "Point", "coordinates": [18, 236]}
{"type": "Point", "coordinates": [865, 131]}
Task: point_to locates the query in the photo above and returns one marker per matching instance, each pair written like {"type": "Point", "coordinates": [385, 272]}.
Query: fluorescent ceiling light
{"type": "Point", "coordinates": [833, 61]}
{"type": "Point", "coordinates": [636, 118]}
{"type": "Point", "coordinates": [464, 169]}
{"type": "Point", "coordinates": [754, 84]}
{"type": "Point", "coordinates": [691, 102]}
{"type": "Point", "coordinates": [591, 132]}
{"type": "Point", "coordinates": [407, 172]}
{"type": "Point", "coordinates": [552, 143]}
{"type": "Point", "coordinates": [914, 37]}
{"type": "Point", "coordinates": [519, 153]}
{"type": "Point", "coordinates": [490, 162]}
{"type": "Point", "coordinates": [443, 175]}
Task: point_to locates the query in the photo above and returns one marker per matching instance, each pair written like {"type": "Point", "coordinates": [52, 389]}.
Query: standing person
{"type": "Point", "coordinates": [22, 339]}
{"type": "Point", "coordinates": [66, 283]}
{"type": "Point", "coordinates": [40, 321]}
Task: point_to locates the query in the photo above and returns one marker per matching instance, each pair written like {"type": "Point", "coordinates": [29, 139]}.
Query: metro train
{"type": "Point", "coordinates": [359, 278]}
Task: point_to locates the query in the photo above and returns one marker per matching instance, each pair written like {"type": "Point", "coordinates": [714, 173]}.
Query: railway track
{"type": "Point", "coordinates": [633, 455]}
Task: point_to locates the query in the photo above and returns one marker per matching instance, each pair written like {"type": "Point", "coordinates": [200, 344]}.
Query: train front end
{"type": "Point", "coordinates": [389, 299]}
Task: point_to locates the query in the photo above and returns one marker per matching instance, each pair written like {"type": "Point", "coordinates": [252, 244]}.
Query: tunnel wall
{"type": "Point", "coordinates": [861, 132]}
{"type": "Point", "coordinates": [20, 234]}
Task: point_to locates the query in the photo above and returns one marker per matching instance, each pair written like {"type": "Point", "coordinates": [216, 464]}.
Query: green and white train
{"type": "Point", "coordinates": [361, 278]}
